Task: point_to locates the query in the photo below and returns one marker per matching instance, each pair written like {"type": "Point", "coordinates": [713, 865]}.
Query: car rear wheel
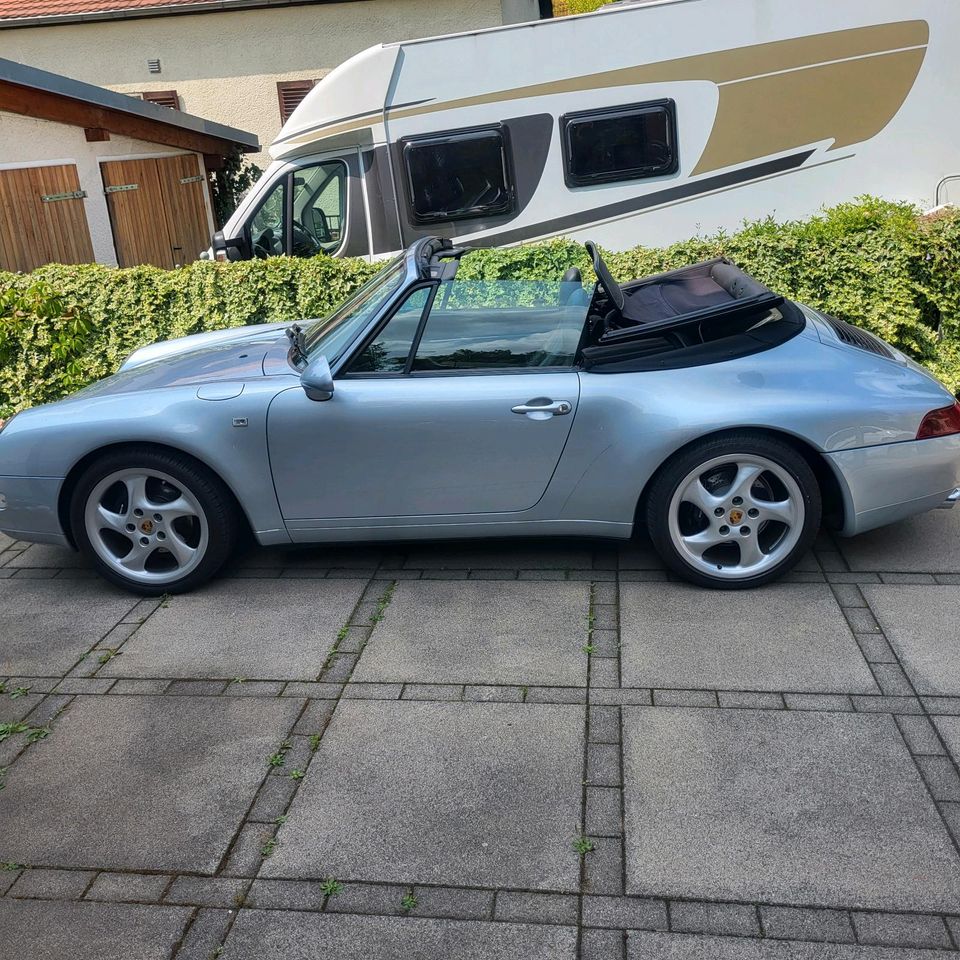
{"type": "Point", "coordinates": [735, 511]}
{"type": "Point", "coordinates": [153, 522]}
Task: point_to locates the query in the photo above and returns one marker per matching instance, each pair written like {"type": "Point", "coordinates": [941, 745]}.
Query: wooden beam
{"type": "Point", "coordinates": [44, 105]}
{"type": "Point", "coordinates": [96, 134]}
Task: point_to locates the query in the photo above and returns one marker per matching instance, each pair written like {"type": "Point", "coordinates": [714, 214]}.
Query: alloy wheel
{"type": "Point", "coordinates": [147, 526]}
{"type": "Point", "coordinates": [736, 516]}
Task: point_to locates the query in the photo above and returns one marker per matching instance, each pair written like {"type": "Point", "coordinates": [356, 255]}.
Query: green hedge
{"type": "Point", "coordinates": [876, 264]}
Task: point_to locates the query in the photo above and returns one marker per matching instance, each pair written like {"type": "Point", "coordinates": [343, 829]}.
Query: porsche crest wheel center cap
{"type": "Point", "coordinates": [147, 526]}
{"type": "Point", "coordinates": [735, 516]}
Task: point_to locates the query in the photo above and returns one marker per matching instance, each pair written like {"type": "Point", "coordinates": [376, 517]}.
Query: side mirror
{"type": "Point", "coordinates": [222, 247]}
{"type": "Point", "coordinates": [316, 380]}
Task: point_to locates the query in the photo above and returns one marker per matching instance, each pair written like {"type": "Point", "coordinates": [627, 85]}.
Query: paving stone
{"type": "Point", "coordinates": [604, 724]}
{"type": "Point", "coordinates": [670, 946]}
{"type": "Point", "coordinates": [286, 894]}
{"type": "Point", "coordinates": [206, 935]}
{"type": "Point", "coordinates": [921, 624]}
{"type": "Point", "coordinates": [886, 704]}
{"type": "Point", "coordinates": [603, 866]}
{"type": "Point", "coordinates": [254, 688]}
{"type": "Point", "coordinates": [74, 619]}
{"type": "Point", "coordinates": [920, 735]}
{"type": "Point", "coordinates": [639, 555]}
{"type": "Point", "coordinates": [196, 688]}
{"type": "Point", "coordinates": [128, 887]}
{"type": "Point", "coordinates": [801, 923]}
{"type": "Point", "coordinates": [929, 543]}
{"type": "Point", "coordinates": [247, 852]}
{"type": "Point", "coordinates": [510, 555]}
{"type": "Point", "coordinates": [603, 764]}
{"type": "Point", "coordinates": [848, 595]}
{"type": "Point", "coordinates": [401, 776]}
{"type": "Point", "coordinates": [892, 680]}
{"type": "Point", "coordinates": [457, 903]}
{"type": "Point", "coordinates": [635, 698]}
{"type": "Point", "coordinates": [432, 691]}
{"type": "Point", "coordinates": [738, 699]}
{"type": "Point", "coordinates": [875, 648]}
{"type": "Point", "coordinates": [261, 631]}
{"type": "Point", "coordinates": [278, 935]}
{"type": "Point", "coordinates": [521, 633]}
{"type": "Point", "coordinates": [174, 775]}
{"type": "Point", "coordinates": [15, 709]}
{"type": "Point", "coordinates": [625, 913]}
{"type": "Point", "coordinates": [376, 691]}
{"type": "Point", "coordinates": [556, 695]}
{"type": "Point", "coordinates": [89, 931]}
{"type": "Point", "coordinates": [139, 687]}
{"type": "Point", "coordinates": [502, 694]}
{"type": "Point", "coordinates": [207, 891]}
{"type": "Point", "coordinates": [785, 637]}
{"type": "Point", "coordinates": [747, 805]}
{"type": "Point", "coordinates": [685, 698]}
{"type": "Point", "coordinates": [44, 884]}
{"type": "Point", "coordinates": [47, 556]}
{"type": "Point", "coordinates": [941, 777]}
{"type": "Point", "coordinates": [381, 899]}
{"type": "Point", "coordinates": [537, 907]}
{"type": "Point", "coordinates": [725, 919]}
{"type": "Point", "coordinates": [901, 931]}
{"type": "Point", "coordinates": [603, 812]}
{"type": "Point", "coordinates": [602, 945]}
{"type": "Point", "coordinates": [861, 620]}
{"type": "Point", "coordinates": [949, 728]}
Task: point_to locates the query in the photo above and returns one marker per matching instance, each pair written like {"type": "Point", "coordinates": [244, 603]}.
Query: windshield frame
{"type": "Point", "coordinates": [350, 319]}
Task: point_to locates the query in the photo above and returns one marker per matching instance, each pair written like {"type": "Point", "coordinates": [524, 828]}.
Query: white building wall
{"type": "Point", "coordinates": [225, 66]}
{"type": "Point", "coordinates": [28, 142]}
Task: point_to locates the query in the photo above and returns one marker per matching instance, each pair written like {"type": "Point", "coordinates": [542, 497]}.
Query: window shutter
{"type": "Point", "coordinates": [165, 98]}
{"type": "Point", "coordinates": [290, 93]}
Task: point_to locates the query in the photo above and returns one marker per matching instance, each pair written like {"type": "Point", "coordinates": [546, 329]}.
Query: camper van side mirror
{"type": "Point", "coordinates": [222, 246]}
{"type": "Point", "coordinates": [317, 381]}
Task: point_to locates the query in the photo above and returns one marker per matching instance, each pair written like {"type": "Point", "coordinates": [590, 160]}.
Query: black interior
{"type": "Point", "coordinates": [703, 313]}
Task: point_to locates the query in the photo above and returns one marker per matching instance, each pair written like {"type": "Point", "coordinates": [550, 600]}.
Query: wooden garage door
{"type": "Point", "coordinates": [157, 210]}
{"type": "Point", "coordinates": [42, 218]}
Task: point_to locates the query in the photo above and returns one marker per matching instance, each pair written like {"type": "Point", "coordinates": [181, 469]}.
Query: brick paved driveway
{"type": "Point", "coordinates": [525, 750]}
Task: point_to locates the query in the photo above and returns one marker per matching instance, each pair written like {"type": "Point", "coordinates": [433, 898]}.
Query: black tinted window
{"type": "Point", "coordinates": [456, 176]}
{"type": "Point", "coordinates": [625, 143]}
{"type": "Point", "coordinates": [487, 325]}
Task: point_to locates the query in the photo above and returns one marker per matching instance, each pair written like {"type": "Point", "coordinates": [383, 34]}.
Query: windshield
{"type": "Point", "coordinates": [334, 333]}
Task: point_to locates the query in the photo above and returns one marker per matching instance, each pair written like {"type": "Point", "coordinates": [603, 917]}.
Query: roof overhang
{"type": "Point", "coordinates": [161, 9]}
{"type": "Point", "coordinates": [49, 96]}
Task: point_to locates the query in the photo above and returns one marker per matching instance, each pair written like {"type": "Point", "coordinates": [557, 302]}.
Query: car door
{"type": "Point", "coordinates": [446, 411]}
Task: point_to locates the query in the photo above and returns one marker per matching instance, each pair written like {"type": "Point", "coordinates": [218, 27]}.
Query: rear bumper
{"type": "Point", "coordinates": [890, 482]}
{"type": "Point", "coordinates": [28, 509]}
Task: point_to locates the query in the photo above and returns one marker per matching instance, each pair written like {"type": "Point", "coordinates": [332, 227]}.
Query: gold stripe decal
{"type": "Point", "coordinates": [844, 86]}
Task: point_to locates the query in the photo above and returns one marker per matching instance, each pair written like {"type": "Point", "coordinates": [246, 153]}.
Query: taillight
{"type": "Point", "coordinates": [940, 423]}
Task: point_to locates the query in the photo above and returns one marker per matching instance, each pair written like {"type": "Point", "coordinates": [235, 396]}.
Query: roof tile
{"type": "Point", "coordinates": [21, 9]}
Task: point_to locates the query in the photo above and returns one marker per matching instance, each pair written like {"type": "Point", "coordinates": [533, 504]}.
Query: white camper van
{"type": "Point", "coordinates": [644, 122]}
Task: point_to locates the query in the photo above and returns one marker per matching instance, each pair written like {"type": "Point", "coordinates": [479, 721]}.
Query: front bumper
{"type": "Point", "coordinates": [28, 509]}
{"type": "Point", "coordinates": [890, 482]}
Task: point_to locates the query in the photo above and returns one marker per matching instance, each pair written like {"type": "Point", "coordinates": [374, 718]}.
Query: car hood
{"type": "Point", "coordinates": [235, 354]}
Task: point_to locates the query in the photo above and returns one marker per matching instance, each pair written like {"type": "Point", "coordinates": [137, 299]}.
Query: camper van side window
{"type": "Point", "coordinates": [458, 176]}
{"type": "Point", "coordinates": [620, 143]}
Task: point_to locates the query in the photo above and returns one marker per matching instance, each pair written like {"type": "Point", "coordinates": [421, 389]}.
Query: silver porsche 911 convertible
{"type": "Point", "coordinates": [725, 420]}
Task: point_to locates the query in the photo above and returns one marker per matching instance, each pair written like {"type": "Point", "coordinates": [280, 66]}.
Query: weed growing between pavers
{"type": "Point", "coordinates": [583, 845]}
{"type": "Point", "coordinates": [279, 758]}
{"type": "Point", "coordinates": [331, 887]}
{"type": "Point", "coordinates": [408, 902]}
{"type": "Point", "coordinates": [384, 602]}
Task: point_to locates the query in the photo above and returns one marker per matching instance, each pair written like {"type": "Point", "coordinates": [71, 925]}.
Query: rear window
{"type": "Point", "coordinates": [619, 143]}
{"type": "Point", "coordinates": [458, 176]}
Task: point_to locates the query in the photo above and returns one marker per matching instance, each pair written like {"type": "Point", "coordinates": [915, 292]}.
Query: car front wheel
{"type": "Point", "coordinates": [735, 511]}
{"type": "Point", "coordinates": [153, 521]}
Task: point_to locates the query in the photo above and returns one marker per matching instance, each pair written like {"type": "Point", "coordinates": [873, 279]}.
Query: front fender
{"type": "Point", "coordinates": [49, 442]}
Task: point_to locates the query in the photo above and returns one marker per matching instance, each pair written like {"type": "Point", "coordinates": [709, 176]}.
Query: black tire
{"type": "Point", "coordinates": [672, 474]}
{"type": "Point", "coordinates": [222, 515]}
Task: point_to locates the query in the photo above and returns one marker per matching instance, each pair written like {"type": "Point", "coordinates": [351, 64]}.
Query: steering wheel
{"type": "Point", "coordinates": [304, 243]}
{"type": "Point", "coordinates": [609, 286]}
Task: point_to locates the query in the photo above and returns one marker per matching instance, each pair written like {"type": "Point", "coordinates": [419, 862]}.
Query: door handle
{"type": "Point", "coordinates": [544, 407]}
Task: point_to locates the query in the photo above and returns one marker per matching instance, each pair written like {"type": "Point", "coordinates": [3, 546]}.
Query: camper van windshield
{"type": "Point", "coordinates": [334, 333]}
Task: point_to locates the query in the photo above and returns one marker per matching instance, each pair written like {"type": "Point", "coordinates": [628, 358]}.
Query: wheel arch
{"type": "Point", "coordinates": [76, 471]}
{"type": "Point", "coordinates": [831, 491]}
